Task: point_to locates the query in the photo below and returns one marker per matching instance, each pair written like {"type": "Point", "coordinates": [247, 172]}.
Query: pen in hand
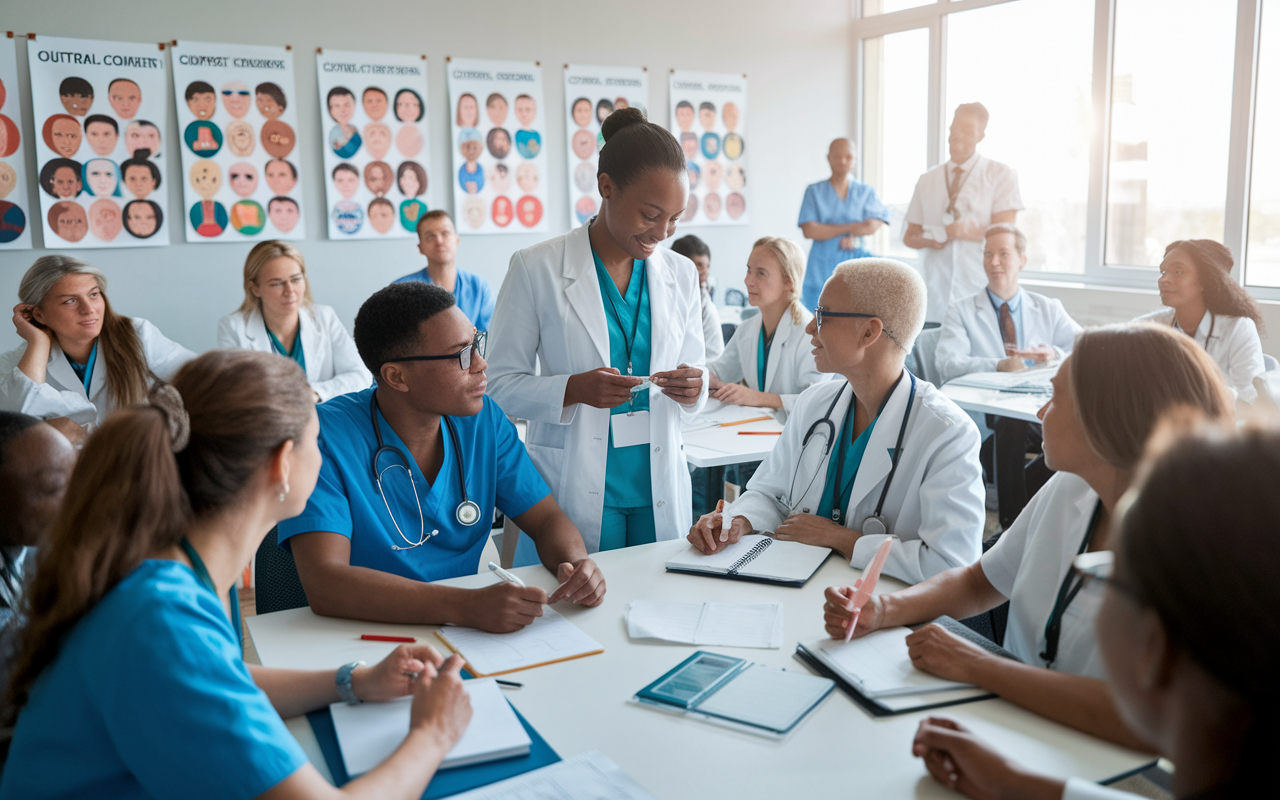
{"type": "Point", "coordinates": [506, 576]}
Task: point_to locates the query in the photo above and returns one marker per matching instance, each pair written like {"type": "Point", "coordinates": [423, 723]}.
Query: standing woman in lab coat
{"type": "Point", "coordinates": [770, 350]}
{"type": "Point", "coordinates": [581, 318]}
{"type": "Point", "coordinates": [278, 316]}
{"type": "Point", "coordinates": [79, 359]}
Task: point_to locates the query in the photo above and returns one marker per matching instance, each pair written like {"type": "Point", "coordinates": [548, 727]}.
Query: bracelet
{"type": "Point", "coordinates": [343, 681]}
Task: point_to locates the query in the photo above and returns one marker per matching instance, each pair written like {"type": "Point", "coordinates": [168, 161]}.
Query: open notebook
{"type": "Point", "coordinates": [550, 638]}
{"type": "Point", "coordinates": [370, 732]}
{"type": "Point", "coordinates": [755, 557]}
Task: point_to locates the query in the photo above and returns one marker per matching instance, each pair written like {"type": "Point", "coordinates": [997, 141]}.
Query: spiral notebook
{"type": "Point", "coordinates": [755, 557]}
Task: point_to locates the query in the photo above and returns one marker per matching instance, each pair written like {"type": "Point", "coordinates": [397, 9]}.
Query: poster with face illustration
{"type": "Point", "coordinates": [373, 115]}
{"type": "Point", "coordinates": [591, 94]}
{"type": "Point", "coordinates": [709, 118]}
{"type": "Point", "coordinates": [498, 128]}
{"type": "Point", "coordinates": [238, 125]}
{"type": "Point", "coordinates": [99, 110]}
{"type": "Point", "coordinates": [15, 225]}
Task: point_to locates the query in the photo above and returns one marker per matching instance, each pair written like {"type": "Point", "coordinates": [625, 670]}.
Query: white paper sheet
{"type": "Point", "coordinates": [716, 624]}
{"type": "Point", "coordinates": [370, 732]}
{"type": "Point", "coordinates": [551, 637]}
{"type": "Point", "coordinates": [587, 775]}
{"type": "Point", "coordinates": [771, 698]}
{"type": "Point", "coordinates": [1031, 381]}
{"type": "Point", "coordinates": [879, 664]}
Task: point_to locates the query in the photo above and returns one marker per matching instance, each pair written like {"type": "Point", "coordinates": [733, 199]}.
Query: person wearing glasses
{"type": "Point", "coordinates": [413, 470]}
{"type": "Point", "coordinates": [278, 316]}
{"type": "Point", "coordinates": [438, 242]}
{"type": "Point", "coordinates": [1108, 397]}
{"type": "Point", "coordinates": [876, 453]}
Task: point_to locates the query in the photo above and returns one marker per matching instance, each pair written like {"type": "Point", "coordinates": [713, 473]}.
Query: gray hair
{"type": "Point", "coordinates": [48, 270]}
{"type": "Point", "coordinates": [1019, 238]}
{"type": "Point", "coordinates": [892, 291]}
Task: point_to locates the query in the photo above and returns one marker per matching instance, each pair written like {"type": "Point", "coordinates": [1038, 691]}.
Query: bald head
{"type": "Point", "coordinates": [840, 157]}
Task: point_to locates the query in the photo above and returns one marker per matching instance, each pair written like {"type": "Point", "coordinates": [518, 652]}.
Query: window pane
{"type": "Point", "coordinates": [1038, 91]}
{"type": "Point", "coordinates": [1170, 126]}
{"type": "Point", "coordinates": [895, 134]}
{"type": "Point", "coordinates": [1262, 267]}
{"type": "Point", "coordinates": [872, 8]}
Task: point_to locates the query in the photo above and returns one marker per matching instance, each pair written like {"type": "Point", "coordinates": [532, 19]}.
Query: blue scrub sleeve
{"type": "Point", "coordinates": [809, 207]}
{"type": "Point", "coordinates": [183, 711]}
{"type": "Point", "coordinates": [518, 487]}
{"type": "Point", "coordinates": [328, 508]}
{"type": "Point", "coordinates": [872, 208]}
{"type": "Point", "coordinates": [484, 304]}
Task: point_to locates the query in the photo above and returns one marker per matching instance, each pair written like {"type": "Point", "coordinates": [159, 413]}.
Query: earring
{"type": "Point", "coordinates": [285, 493]}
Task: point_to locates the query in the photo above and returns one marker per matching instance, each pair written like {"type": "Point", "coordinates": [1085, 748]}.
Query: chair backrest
{"type": "Point", "coordinates": [1269, 363]}
{"type": "Point", "coordinates": [277, 586]}
{"type": "Point", "coordinates": [735, 297]}
{"type": "Point", "coordinates": [923, 351]}
{"type": "Point", "coordinates": [726, 330]}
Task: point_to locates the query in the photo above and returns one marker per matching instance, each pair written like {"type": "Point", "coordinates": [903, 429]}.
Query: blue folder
{"type": "Point", "coordinates": [446, 782]}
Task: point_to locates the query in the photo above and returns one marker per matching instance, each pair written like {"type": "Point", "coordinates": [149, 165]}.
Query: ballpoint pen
{"type": "Point", "coordinates": [506, 576]}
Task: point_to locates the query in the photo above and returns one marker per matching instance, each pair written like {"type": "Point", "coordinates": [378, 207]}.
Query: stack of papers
{"type": "Point", "coordinates": [370, 732]}
{"type": "Point", "coordinates": [718, 624]}
{"type": "Point", "coordinates": [550, 638]}
{"type": "Point", "coordinates": [1031, 381]}
{"type": "Point", "coordinates": [588, 775]}
{"type": "Point", "coordinates": [716, 413]}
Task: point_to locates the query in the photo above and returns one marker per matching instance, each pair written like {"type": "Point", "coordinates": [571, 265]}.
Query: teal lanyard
{"type": "Point", "coordinates": [296, 353]}
{"type": "Point", "coordinates": [635, 321]}
{"type": "Point", "coordinates": [85, 373]}
{"type": "Point", "coordinates": [197, 566]}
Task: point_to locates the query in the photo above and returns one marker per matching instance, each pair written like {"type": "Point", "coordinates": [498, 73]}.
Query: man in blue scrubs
{"type": "Point", "coordinates": [438, 241]}
{"type": "Point", "coordinates": [368, 549]}
{"type": "Point", "coordinates": [835, 214]}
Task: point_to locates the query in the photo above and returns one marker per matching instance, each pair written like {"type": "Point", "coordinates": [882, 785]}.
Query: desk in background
{"type": "Point", "coordinates": [708, 445]}
{"type": "Point", "coordinates": [582, 704]}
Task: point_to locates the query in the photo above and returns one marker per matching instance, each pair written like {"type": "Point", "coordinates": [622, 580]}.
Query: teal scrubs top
{"type": "Point", "coordinates": [627, 481]}
{"type": "Point", "coordinates": [85, 371]}
{"type": "Point", "coordinates": [852, 451]}
{"type": "Point", "coordinates": [762, 357]}
{"type": "Point", "coordinates": [150, 697]}
{"type": "Point", "coordinates": [296, 353]}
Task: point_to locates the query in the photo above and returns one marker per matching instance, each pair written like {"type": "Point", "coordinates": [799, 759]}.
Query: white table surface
{"type": "Point", "coordinates": [579, 705]}
{"type": "Point", "coordinates": [989, 401]}
{"type": "Point", "coordinates": [707, 446]}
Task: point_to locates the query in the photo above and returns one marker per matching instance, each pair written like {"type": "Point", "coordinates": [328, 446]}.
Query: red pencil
{"type": "Point", "coordinates": [759, 433]}
{"type": "Point", "coordinates": [373, 637]}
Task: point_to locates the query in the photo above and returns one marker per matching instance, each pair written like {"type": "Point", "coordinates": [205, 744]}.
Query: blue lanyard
{"type": "Point", "coordinates": [202, 574]}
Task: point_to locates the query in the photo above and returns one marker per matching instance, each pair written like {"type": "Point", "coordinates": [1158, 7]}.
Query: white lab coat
{"type": "Point", "coordinates": [1234, 347]}
{"type": "Point", "coordinates": [712, 333]}
{"type": "Point", "coordinates": [62, 394]}
{"type": "Point", "coordinates": [549, 315]}
{"type": "Point", "coordinates": [936, 506]}
{"type": "Point", "coordinates": [334, 366]}
{"type": "Point", "coordinates": [971, 341]}
{"type": "Point", "coordinates": [791, 368]}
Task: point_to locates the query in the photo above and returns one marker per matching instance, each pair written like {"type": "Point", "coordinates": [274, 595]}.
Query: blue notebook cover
{"type": "Point", "coordinates": [446, 782]}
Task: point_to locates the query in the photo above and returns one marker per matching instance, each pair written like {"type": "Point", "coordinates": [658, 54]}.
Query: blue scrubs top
{"type": "Point", "coordinates": [149, 697]}
{"type": "Point", "coordinates": [822, 204]}
{"type": "Point", "coordinates": [627, 480]}
{"type": "Point", "coordinates": [85, 371]}
{"type": "Point", "coordinates": [853, 452]}
{"type": "Point", "coordinates": [470, 292]}
{"type": "Point", "coordinates": [762, 357]}
{"type": "Point", "coordinates": [346, 499]}
{"type": "Point", "coordinates": [296, 353]}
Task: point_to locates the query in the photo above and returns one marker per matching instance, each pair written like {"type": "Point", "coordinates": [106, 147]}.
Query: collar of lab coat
{"type": "Point", "coordinates": [782, 337]}
{"type": "Point", "coordinates": [877, 460]}
{"type": "Point", "coordinates": [59, 368]}
{"type": "Point", "coordinates": [255, 330]}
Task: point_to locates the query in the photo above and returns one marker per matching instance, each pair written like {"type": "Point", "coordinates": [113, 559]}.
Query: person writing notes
{"type": "Point", "coordinates": [278, 316]}
{"type": "Point", "coordinates": [952, 205]}
{"type": "Point", "coordinates": [1107, 397]}
{"type": "Point", "coordinates": [769, 351]}
{"type": "Point", "coordinates": [836, 214]}
{"type": "Point", "coordinates": [134, 629]}
{"type": "Point", "coordinates": [79, 359]}
{"type": "Point", "coordinates": [877, 452]}
{"type": "Point", "coordinates": [1209, 306]}
{"type": "Point", "coordinates": [413, 469]}
{"type": "Point", "coordinates": [1001, 329]}
{"type": "Point", "coordinates": [1186, 630]}
{"type": "Point", "coordinates": [438, 242]}
{"type": "Point", "coordinates": [598, 309]}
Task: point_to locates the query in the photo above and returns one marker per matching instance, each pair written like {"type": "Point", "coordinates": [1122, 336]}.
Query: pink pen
{"type": "Point", "coordinates": [865, 585]}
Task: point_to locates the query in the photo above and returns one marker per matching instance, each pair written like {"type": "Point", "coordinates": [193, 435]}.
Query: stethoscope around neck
{"type": "Point", "coordinates": [874, 525]}
{"type": "Point", "coordinates": [467, 513]}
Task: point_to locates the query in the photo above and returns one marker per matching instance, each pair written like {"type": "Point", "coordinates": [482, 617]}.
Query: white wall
{"type": "Point", "coordinates": [799, 66]}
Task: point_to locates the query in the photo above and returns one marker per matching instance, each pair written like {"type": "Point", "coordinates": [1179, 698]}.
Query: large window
{"type": "Point", "coordinates": [1170, 126]}
{"type": "Point", "coordinates": [871, 8]}
{"type": "Point", "coordinates": [895, 85]}
{"type": "Point", "coordinates": [1037, 89]}
{"type": "Point", "coordinates": [1262, 265]}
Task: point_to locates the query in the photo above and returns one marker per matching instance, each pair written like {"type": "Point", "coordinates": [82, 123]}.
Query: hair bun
{"type": "Point", "coordinates": [622, 118]}
{"type": "Point", "coordinates": [165, 399]}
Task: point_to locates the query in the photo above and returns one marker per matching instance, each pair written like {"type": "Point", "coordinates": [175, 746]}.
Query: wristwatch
{"type": "Point", "coordinates": [343, 680]}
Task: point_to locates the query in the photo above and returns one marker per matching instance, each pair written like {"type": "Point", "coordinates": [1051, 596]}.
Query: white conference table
{"type": "Point", "coordinates": [707, 444]}
{"type": "Point", "coordinates": [580, 705]}
{"type": "Point", "coordinates": [1016, 405]}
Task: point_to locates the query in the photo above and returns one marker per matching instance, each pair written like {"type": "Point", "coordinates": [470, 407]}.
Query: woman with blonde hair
{"type": "Point", "coordinates": [1107, 398]}
{"type": "Point", "coordinates": [278, 316]}
{"type": "Point", "coordinates": [69, 327]}
{"type": "Point", "coordinates": [769, 362]}
{"type": "Point", "coordinates": [133, 637]}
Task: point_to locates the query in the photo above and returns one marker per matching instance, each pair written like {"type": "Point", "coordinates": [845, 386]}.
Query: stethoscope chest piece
{"type": "Point", "coordinates": [468, 513]}
{"type": "Point", "coordinates": [874, 526]}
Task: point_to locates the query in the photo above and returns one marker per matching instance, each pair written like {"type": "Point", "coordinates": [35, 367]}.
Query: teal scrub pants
{"type": "Point", "coordinates": [627, 527]}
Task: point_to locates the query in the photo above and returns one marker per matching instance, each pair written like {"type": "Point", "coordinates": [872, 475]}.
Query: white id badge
{"type": "Point", "coordinates": [630, 429]}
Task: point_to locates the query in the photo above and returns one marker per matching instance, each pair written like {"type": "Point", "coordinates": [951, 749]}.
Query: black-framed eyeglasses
{"type": "Point", "coordinates": [1098, 569]}
{"type": "Point", "coordinates": [819, 312]}
{"type": "Point", "coordinates": [478, 345]}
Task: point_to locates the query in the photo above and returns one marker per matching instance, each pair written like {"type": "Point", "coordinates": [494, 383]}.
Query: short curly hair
{"type": "Point", "coordinates": [889, 289]}
{"type": "Point", "coordinates": [389, 323]}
